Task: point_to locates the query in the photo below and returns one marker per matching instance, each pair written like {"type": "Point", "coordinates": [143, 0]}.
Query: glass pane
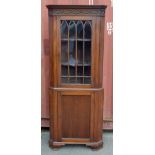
{"type": "Point", "coordinates": [72, 33]}
{"type": "Point", "coordinates": [87, 80]}
{"type": "Point", "coordinates": [79, 80]}
{"type": "Point", "coordinates": [64, 70]}
{"type": "Point", "coordinates": [64, 50]}
{"type": "Point", "coordinates": [80, 70]}
{"type": "Point", "coordinates": [87, 29]}
{"type": "Point", "coordinates": [79, 30]}
{"type": "Point", "coordinates": [87, 70]}
{"type": "Point", "coordinates": [72, 60]}
{"type": "Point", "coordinates": [64, 30]}
{"type": "Point", "coordinates": [72, 70]}
{"type": "Point", "coordinates": [72, 80]}
{"type": "Point", "coordinates": [64, 80]}
{"type": "Point", "coordinates": [80, 52]}
{"type": "Point", "coordinates": [87, 53]}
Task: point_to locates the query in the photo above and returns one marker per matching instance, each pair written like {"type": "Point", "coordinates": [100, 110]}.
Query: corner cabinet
{"type": "Point", "coordinates": [76, 64]}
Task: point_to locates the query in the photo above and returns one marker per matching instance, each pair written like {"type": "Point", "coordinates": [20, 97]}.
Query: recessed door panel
{"type": "Point", "coordinates": [75, 112]}
{"type": "Point", "coordinates": [76, 116]}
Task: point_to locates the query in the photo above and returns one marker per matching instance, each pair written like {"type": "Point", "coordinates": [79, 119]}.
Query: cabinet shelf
{"type": "Point", "coordinates": [73, 65]}
{"type": "Point", "coordinates": [72, 39]}
{"type": "Point", "coordinates": [76, 76]}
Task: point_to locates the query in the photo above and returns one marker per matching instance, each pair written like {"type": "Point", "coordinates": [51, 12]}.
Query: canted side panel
{"type": "Point", "coordinates": [98, 113]}
{"type": "Point", "coordinates": [53, 115]}
{"type": "Point", "coordinates": [76, 116]}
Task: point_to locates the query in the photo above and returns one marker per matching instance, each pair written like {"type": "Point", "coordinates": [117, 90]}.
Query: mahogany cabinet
{"type": "Point", "coordinates": [76, 75]}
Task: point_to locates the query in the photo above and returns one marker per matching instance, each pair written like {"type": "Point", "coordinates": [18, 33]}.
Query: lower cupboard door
{"type": "Point", "coordinates": [74, 110]}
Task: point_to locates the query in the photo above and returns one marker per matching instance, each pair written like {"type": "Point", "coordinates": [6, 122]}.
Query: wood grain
{"type": "Point", "coordinates": [75, 116]}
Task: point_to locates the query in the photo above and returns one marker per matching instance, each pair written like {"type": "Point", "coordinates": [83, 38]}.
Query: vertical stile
{"type": "Point", "coordinates": [91, 53]}
{"type": "Point", "coordinates": [68, 54]}
{"type": "Point", "coordinates": [83, 49]}
{"type": "Point", "coordinates": [76, 61]}
{"type": "Point", "coordinates": [61, 22]}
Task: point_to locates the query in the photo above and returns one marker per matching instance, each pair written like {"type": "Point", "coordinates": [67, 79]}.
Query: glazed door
{"type": "Point", "coordinates": [77, 51]}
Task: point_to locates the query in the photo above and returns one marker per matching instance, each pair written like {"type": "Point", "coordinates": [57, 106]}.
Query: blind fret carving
{"type": "Point", "coordinates": [93, 12]}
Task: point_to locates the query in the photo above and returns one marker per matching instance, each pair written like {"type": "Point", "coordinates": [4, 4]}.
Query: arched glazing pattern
{"type": "Point", "coordinates": [79, 30]}
{"type": "Point", "coordinates": [64, 30]}
{"type": "Point", "coordinates": [72, 30]}
{"type": "Point", "coordinates": [87, 29]}
{"type": "Point", "coordinates": [76, 36]}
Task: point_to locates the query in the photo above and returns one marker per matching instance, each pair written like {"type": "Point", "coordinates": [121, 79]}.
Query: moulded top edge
{"type": "Point", "coordinates": [76, 6]}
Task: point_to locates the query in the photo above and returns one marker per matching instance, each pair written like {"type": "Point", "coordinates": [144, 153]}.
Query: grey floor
{"type": "Point", "coordinates": [76, 149]}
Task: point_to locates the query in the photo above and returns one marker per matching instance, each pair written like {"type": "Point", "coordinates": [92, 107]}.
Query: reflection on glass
{"type": "Point", "coordinates": [79, 30]}
{"type": "Point", "coordinates": [64, 30]}
{"type": "Point", "coordinates": [72, 60]}
{"type": "Point", "coordinates": [72, 30]}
